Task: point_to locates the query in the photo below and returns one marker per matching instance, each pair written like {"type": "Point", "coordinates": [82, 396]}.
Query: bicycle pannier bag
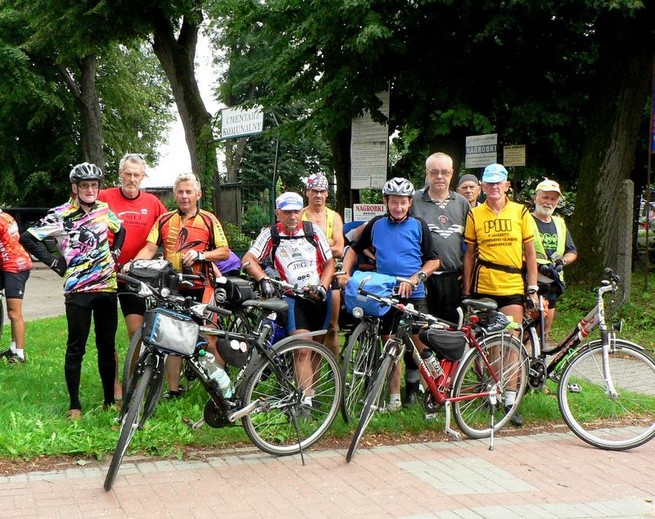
{"type": "Point", "coordinates": [155, 273]}
{"type": "Point", "coordinates": [444, 343]}
{"type": "Point", "coordinates": [378, 284]}
{"type": "Point", "coordinates": [233, 351]}
{"type": "Point", "coordinates": [237, 290]}
{"type": "Point", "coordinates": [170, 331]}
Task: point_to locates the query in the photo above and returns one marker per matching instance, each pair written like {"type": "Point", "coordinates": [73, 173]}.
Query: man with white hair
{"type": "Point", "coordinates": [553, 244]}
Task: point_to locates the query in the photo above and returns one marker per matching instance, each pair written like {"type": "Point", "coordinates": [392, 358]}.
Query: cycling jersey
{"type": "Point", "coordinates": [296, 260]}
{"type": "Point", "coordinates": [401, 248]}
{"type": "Point", "coordinates": [202, 232]}
{"type": "Point", "coordinates": [13, 257]}
{"type": "Point", "coordinates": [499, 239]}
{"type": "Point", "coordinates": [83, 241]}
{"type": "Point", "coordinates": [446, 222]}
{"type": "Point", "coordinates": [138, 215]}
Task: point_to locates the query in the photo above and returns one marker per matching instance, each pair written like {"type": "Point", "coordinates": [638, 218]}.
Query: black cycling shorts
{"type": "Point", "coordinates": [304, 314]}
{"type": "Point", "coordinates": [14, 283]}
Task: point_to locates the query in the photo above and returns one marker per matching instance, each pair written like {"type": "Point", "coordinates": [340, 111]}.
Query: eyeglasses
{"type": "Point", "coordinates": [442, 172]}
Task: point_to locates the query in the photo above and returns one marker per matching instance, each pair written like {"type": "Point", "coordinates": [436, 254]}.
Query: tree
{"type": "Point", "coordinates": [623, 71]}
{"type": "Point", "coordinates": [58, 115]}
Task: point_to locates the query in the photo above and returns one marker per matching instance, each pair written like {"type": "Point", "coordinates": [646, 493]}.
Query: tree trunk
{"type": "Point", "coordinates": [623, 77]}
{"type": "Point", "coordinates": [340, 146]}
{"type": "Point", "coordinates": [88, 102]}
{"type": "Point", "coordinates": [176, 57]}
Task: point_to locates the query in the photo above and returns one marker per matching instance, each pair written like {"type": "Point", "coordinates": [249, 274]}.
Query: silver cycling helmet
{"type": "Point", "coordinates": [85, 171]}
{"type": "Point", "coordinates": [398, 186]}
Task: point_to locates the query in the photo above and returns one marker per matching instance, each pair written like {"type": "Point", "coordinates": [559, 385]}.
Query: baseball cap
{"type": "Point", "coordinates": [548, 185]}
{"type": "Point", "coordinates": [494, 173]}
{"type": "Point", "coordinates": [318, 182]}
{"type": "Point", "coordinates": [467, 178]}
{"type": "Point", "coordinates": [289, 202]}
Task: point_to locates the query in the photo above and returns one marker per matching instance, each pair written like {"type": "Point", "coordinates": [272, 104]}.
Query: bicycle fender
{"type": "Point", "coordinates": [599, 342]}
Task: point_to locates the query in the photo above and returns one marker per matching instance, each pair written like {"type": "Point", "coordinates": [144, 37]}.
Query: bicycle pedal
{"type": "Point", "coordinates": [574, 388]}
{"type": "Point", "coordinates": [430, 416]}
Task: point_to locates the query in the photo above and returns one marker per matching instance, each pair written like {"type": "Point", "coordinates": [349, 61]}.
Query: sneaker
{"type": "Point", "coordinates": [15, 359]}
{"type": "Point", "coordinates": [7, 353]}
{"type": "Point", "coordinates": [394, 406]}
{"type": "Point", "coordinates": [410, 399]}
{"type": "Point", "coordinates": [516, 420]}
{"type": "Point", "coordinates": [172, 395]}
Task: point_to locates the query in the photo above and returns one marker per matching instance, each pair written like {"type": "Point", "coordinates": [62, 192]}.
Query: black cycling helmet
{"type": "Point", "coordinates": [85, 171]}
{"type": "Point", "coordinates": [398, 186]}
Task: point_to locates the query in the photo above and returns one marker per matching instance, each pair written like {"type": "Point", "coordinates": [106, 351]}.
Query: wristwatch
{"type": "Point", "coordinates": [422, 276]}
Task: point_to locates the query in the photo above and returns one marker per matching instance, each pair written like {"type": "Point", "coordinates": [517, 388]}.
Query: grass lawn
{"type": "Point", "coordinates": [35, 400]}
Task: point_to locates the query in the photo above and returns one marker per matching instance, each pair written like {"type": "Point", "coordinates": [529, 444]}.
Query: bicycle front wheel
{"type": "Point", "coordinates": [131, 420]}
{"type": "Point", "coordinates": [508, 366]}
{"type": "Point", "coordinates": [613, 422]}
{"type": "Point", "coordinates": [371, 403]}
{"type": "Point", "coordinates": [303, 389]}
{"type": "Point", "coordinates": [359, 360]}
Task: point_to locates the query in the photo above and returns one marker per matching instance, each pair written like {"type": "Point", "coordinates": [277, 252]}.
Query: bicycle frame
{"type": "Point", "coordinates": [569, 346]}
{"type": "Point", "coordinates": [397, 343]}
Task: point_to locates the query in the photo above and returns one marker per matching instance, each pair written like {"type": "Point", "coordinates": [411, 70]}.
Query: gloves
{"type": "Point", "coordinates": [115, 254]}
{"type": "Point", "coordinates": [266, 288]}
{"type": "Point", "coordinates": [317, 292]}
{"type": "Point", "coordinates": [59, 265]}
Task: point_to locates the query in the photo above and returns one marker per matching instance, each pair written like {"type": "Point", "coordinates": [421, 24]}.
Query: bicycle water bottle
{"type": "Point", "coordinates": [216, 373]}
{"type": "Point", "coordinates": [432, 363]}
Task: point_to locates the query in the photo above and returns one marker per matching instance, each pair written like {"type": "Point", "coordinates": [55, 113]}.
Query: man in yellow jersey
{"type": "Point", "coordinates": [331, 224]}
{"type": "Point", "coordinates": [499, 234]}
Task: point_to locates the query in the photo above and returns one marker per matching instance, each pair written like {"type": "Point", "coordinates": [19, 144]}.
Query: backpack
{"type": "Point", "coordinates": [308, 230]}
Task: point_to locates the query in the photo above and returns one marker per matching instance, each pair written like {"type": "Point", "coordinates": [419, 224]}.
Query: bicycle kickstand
{"type": "Point", "coordinates": [447, 429]}
{"type": "Point", "coordinates": [492, 406]}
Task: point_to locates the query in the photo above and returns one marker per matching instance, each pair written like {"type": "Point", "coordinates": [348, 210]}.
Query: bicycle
{"type": "Point", "coordinates": [473, 385]}
{"type": "Point", "coordinates": [282, 411]}
{"type": "Point", "coordinates": [606, 386]}
{"type": "Point", "coordinates": [358, 364]}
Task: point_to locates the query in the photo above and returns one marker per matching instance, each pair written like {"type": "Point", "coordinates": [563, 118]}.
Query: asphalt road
{"type": "Point", "coordinates": [44, 294]}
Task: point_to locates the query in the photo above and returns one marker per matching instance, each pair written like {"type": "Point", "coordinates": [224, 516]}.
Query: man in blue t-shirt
{"type": "Point", "coordinates": [403, 247]}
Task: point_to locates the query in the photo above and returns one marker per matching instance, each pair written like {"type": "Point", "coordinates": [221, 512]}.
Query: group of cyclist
{"type": "Point", "coordinates": [445, 245]}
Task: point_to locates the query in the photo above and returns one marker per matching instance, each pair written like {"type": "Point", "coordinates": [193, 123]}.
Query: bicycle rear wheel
{"type": "Point", "coordinates": [371, 403]}
{"type": "Point", "coordinates": [358, 366]}
{"type": "Point", "coordinates": [283, 390]}
{"type": "Point", "coordinates": [612, 423]}
{"type": "Point", "coordinates": [509, 364]}
{"type": "Point", "coordinates": [131, 419]}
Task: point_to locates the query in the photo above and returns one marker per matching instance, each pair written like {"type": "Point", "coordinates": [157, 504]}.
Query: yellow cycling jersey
{"type": "Point", "coordinates": [499, 240]}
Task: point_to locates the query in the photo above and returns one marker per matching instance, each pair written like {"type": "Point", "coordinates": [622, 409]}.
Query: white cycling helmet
{"type": "Point", "coordinates": [85, 171]}
{"type": "Point", "coordinates": [398, 186]}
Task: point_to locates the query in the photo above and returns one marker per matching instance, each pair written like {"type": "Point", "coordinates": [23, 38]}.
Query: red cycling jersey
{"type": "Point", "coordinates": [13, 257]}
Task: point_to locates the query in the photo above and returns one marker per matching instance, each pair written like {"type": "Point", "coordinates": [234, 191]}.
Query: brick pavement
{"type": "Point", "coordinates": [543, 475]}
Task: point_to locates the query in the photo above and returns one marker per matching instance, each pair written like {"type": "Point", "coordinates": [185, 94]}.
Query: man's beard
{"type": "Point", "coordinates": [543, 211]}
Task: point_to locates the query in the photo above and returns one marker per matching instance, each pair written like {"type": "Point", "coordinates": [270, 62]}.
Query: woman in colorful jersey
{"type": "Point", "coordinates": [15, 265]}
{"type": "Point", "coordinates": [81, 227]}
{"type": "Point", "coordinates": [331, 224]}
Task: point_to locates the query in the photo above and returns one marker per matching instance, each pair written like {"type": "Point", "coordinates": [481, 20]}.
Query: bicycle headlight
{"type": "Point", "coordinates": [358, 312]}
